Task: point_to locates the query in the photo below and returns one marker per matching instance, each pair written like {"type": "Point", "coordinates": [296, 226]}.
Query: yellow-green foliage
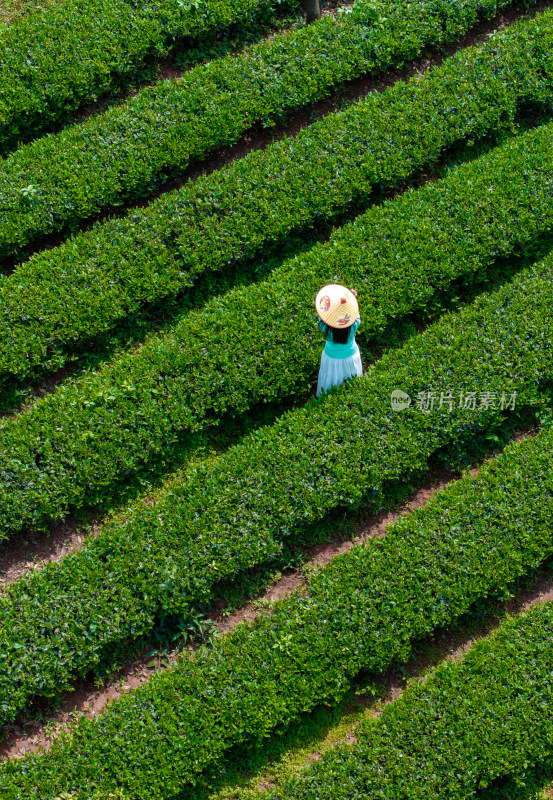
{"type": "Point", "coordinates": [361, 611]}
{"type": "Point", "coordinates": [131, 149]}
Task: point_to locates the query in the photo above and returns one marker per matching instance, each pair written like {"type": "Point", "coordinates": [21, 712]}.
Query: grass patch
{"type": "Point", "coordinates": [11, 10]}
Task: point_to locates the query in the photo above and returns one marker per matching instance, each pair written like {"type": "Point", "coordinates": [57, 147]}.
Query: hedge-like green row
{"type": "Point", "coordinates": [50, 62]}
{"type": "Point", "coordinates": [487, 717]}
{"type": "Point", "coordinates": [131, 149]}
{"type": "Point", "coordinates": [257, 343]}
{"type": "Point", "coordinates": [237, 513]}
{"type": "Point", "coordinates": [361, 611]}
{"type": "Point", "coordinates": [85, 285]}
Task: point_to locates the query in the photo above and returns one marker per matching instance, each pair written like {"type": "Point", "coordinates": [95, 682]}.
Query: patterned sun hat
{"type": "Point", "coordinates": [336, 306]}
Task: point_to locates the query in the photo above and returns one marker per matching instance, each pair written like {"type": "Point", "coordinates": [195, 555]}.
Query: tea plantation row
{"type": "Point", "coordinates": [236, 514]}
{"type": "Point", "coordinates": [360, 612]}
{"type": "Point", "coordinates": [52, 62]}
{"type": "Point", "coordinates": [472, 722]}
{"type": "Point", "coordinates": [129, 150]}
{"type": "Point", "coordinates": [87, 284]}
{"type": "Point", "coordinates": [251, 346]}
{"type": "Point", "coordinates": [364, 609]}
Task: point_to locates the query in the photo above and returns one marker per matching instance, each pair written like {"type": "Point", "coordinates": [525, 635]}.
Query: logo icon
{"type": "Point", "coordinates": [400, 400]}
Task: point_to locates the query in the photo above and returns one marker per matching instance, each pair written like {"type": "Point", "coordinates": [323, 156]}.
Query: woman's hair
{"type": "Point", "coordinates": [340, 335]}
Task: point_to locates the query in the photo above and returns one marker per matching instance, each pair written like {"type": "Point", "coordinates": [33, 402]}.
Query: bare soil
{"type": "Point", "coordinates": [11, 10]}
{"type": "Point", "coordinates": [29, 551]}
{"type": "Point", "coordinates": [258, 138]}
{"type": "Point", "coordinates": [452, 646]}
{"type": "Point", "coordinates": [30, 735]}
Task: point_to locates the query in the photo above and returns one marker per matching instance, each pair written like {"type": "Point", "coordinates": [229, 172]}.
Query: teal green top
{"type": "Point", "coordinates": [335, 349]}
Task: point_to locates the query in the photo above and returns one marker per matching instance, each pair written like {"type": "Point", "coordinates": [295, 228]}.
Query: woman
{"type": "Point", "coordinates": [339, 319]}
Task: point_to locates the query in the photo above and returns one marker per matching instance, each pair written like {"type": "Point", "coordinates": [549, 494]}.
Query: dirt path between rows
{"type": "Point", "coordinates": [35, 548]}
{"type": "Point", "coordinates": [258, 138]}
{"type": "Point", "coordinates": [433, 650]}
{"type": "Point", "coordinates": [29, 735]}
{"type": "Point", "coordinates": [31, 549]}
{"type": "Point", "coordinates": [167, 69]}
{"type": "Point", "coordinates": [440, 646]}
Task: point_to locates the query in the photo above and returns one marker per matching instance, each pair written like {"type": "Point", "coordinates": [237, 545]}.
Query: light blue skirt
{"type": "Point", "coordinates": [334, 371]}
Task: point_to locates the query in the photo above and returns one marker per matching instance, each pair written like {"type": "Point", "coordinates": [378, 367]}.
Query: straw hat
{"type": "Point", "coordinates": [336, 306]}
